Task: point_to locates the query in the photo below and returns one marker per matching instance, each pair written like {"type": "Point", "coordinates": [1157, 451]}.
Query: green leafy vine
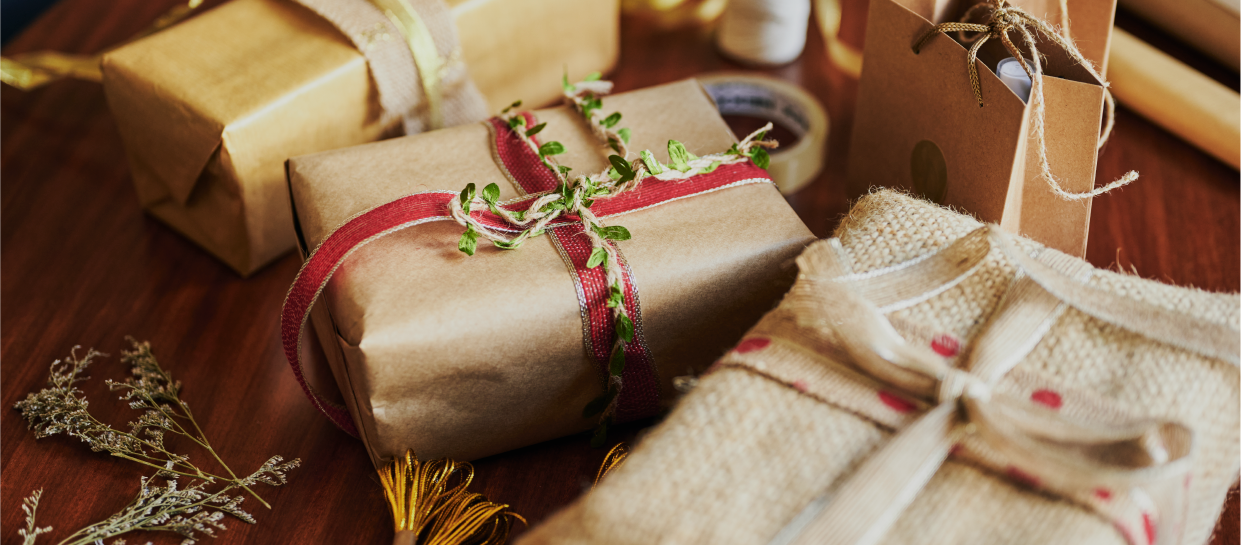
{"type": "Point", "coordinates": [575, 196]}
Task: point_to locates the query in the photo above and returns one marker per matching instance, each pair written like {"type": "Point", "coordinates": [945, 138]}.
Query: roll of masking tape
{"type": "Point", "coordinates": [793, 164]}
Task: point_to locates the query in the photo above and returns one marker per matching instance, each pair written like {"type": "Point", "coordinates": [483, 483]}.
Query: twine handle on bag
{"type": "Point", "coordinates": [1004, 18]}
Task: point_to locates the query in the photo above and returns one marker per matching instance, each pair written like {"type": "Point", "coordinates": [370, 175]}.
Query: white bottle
{"type": "Point", "coordinates": [1015, 77]}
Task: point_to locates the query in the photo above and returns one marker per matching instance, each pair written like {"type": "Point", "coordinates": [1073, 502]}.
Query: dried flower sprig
{"type": "Point", "coordinates": [185, 511]}
{"type": "Point", "coordinates": [151, 389]}
{"type": "Point", "coordinates": [30, 505]}
{"type": "Point", "coordinates": [574, 197]}
{"type": "Point", "coordinates": [62, 408]}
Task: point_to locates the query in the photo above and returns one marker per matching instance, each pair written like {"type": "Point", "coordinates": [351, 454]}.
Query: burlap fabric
{"type": "Point", "coordinates": [745, 452]}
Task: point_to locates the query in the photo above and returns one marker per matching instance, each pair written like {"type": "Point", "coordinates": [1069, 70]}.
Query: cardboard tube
{"type": "Point", "coordinates": [792, 165]}
{"type": "Point", "coordinates": [1176, 97]}
{"type": "Point", "coordinates": [1211, 26]}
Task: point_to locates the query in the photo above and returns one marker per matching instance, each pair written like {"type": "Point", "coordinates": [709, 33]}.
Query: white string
{"type": "Point", "coordinates": [764, 31]}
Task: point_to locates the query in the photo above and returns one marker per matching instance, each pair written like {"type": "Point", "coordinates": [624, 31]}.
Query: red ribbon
{"type": "Point", "coordinates": [640, 396]}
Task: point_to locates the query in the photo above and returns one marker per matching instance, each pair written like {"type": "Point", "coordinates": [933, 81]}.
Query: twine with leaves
{"type": "Point", "coordinates": [574, 197]}
{"type": "Point", "coordinates": [1002, 19]}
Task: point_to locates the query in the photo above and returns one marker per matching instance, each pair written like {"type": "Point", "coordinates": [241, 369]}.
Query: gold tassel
{"type": "Point", "coordinates": [613, 460]}
{"type": "Point", "coordinates": [426, 510]}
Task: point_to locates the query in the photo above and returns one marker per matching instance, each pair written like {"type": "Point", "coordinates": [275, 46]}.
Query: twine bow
{"type": "Point", "coordinates": [1005, 18]}
{"type": "Point", "coordinates": [1142, 464]}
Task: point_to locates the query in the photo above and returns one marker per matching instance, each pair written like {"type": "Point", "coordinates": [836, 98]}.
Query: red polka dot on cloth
{"type": "Point", "coordinates": [800, 385]}
{"type": "Point", "coordinates": [1048, 398]}
{"type": "Point", "coordinates": [752, 344]}
{"type": "Point", "coordinates": [897, 403]}
{"type": "Point", "coordinates": [1103, 494]}
{"type": "Point", "coordinates": [1148, 524]}
{"type": "Point", "coordinates": [945, 345]}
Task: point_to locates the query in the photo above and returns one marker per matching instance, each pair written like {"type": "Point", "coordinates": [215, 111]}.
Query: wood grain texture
{"type": "Point", "coordinates": [81, 264]}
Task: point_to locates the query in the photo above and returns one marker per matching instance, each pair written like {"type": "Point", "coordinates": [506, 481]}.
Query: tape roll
{"type": "Point", "coordinates": [788, 106]}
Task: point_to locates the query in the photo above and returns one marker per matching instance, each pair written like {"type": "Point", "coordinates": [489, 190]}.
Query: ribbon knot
{"type": "Point", "coordinates": [1003, 19]}
{"type": "Point", "coordinates": [957, 384]}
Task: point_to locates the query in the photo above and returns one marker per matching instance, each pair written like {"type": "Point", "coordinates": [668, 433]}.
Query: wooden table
{"type": "Point", "coordinates": [83, 265]}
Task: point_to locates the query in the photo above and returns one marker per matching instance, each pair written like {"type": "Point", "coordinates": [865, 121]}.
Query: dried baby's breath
{"type": "Point", "coordinates": [30, 532]}
{"type": "Point", "coordinates": [190, 512]}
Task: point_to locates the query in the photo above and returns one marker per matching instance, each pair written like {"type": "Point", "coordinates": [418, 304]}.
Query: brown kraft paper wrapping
{"type": "Point", "coordinates": [462, 356]}
{"type": "Point", "coordinates": [919, 125]}
{"type": "Point", "coordinates": [210, 109]}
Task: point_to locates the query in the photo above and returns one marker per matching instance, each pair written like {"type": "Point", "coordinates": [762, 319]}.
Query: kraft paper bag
{"type": "Point", "coordinates": [210, 109]}
{"type": "Point", "coordinates": [469, 356]}
{"type": "Point", "coordinates": [920, 127]}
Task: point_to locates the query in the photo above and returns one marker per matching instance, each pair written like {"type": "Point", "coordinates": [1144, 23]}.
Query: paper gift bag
{"type": "Point", "coordinates": [932, 380]}
{"type": "Point", "coordinates": [211, 108]}
{"type": "Point", "coordinates": [921, 125]}
{"type": "Point", "coordinates": [466, 356]}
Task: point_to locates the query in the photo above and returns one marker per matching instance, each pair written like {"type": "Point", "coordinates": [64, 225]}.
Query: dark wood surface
{"type": "Point", "coordinates": [81, 264]}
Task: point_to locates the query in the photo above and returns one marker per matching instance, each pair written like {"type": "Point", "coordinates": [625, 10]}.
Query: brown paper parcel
{"type": "Point", "coordinates": [210, 109]}
{"type": "Point", "coordinates": [920, 127]}
{"type": "Point", "coordinates": [790, 420]}
{"type": "Point", "coordinates": [462, 356]}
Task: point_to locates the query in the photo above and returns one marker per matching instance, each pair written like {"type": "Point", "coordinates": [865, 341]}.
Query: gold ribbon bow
{"type": "Point", "coordinates": [1145, 462]}
{"type": "Point", "coordinates": [1005, 18]}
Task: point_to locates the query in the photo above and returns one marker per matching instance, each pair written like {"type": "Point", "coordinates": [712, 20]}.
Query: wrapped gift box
{"type": "Point", "coordinates": [210, 109]}
{"type": "Point", "coordinates": [462, 356]}
{"type": "Point", "coordinates": [1105, 414]}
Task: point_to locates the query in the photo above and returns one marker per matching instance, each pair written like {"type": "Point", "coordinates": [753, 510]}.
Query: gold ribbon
{"type": "Point", "coordinates": [426, 55]}
{"type": "Point", "coordinates": [845, 57]}
{"type": "Point", "coordinates": [1145, 462]}
{"type": "Point", "coordinates": [28, 71]}
{"type": "Point", "coordinates": [1003, 19]}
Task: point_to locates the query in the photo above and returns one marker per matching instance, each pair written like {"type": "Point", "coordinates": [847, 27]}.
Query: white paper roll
{"type": "Point", "coordinates": [765, 32]}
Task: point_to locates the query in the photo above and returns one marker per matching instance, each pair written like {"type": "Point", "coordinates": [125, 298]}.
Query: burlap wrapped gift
{"type": "Point", "coordinates": [467, 356]}
{"type": "Point", "coordinates": [1072, 405]}
{"type": "Point", "coordinates": [211, 108]}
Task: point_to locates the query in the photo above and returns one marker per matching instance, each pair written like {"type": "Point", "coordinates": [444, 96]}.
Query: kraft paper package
{"type": "Point", "coordinates": [920, 126]}
{"type": "Point", "coordinates": [210, 109]}
{"type": "Point", "coordinates": [468, 356]}
{"type": "Point", "coordinates": [930, 379]}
